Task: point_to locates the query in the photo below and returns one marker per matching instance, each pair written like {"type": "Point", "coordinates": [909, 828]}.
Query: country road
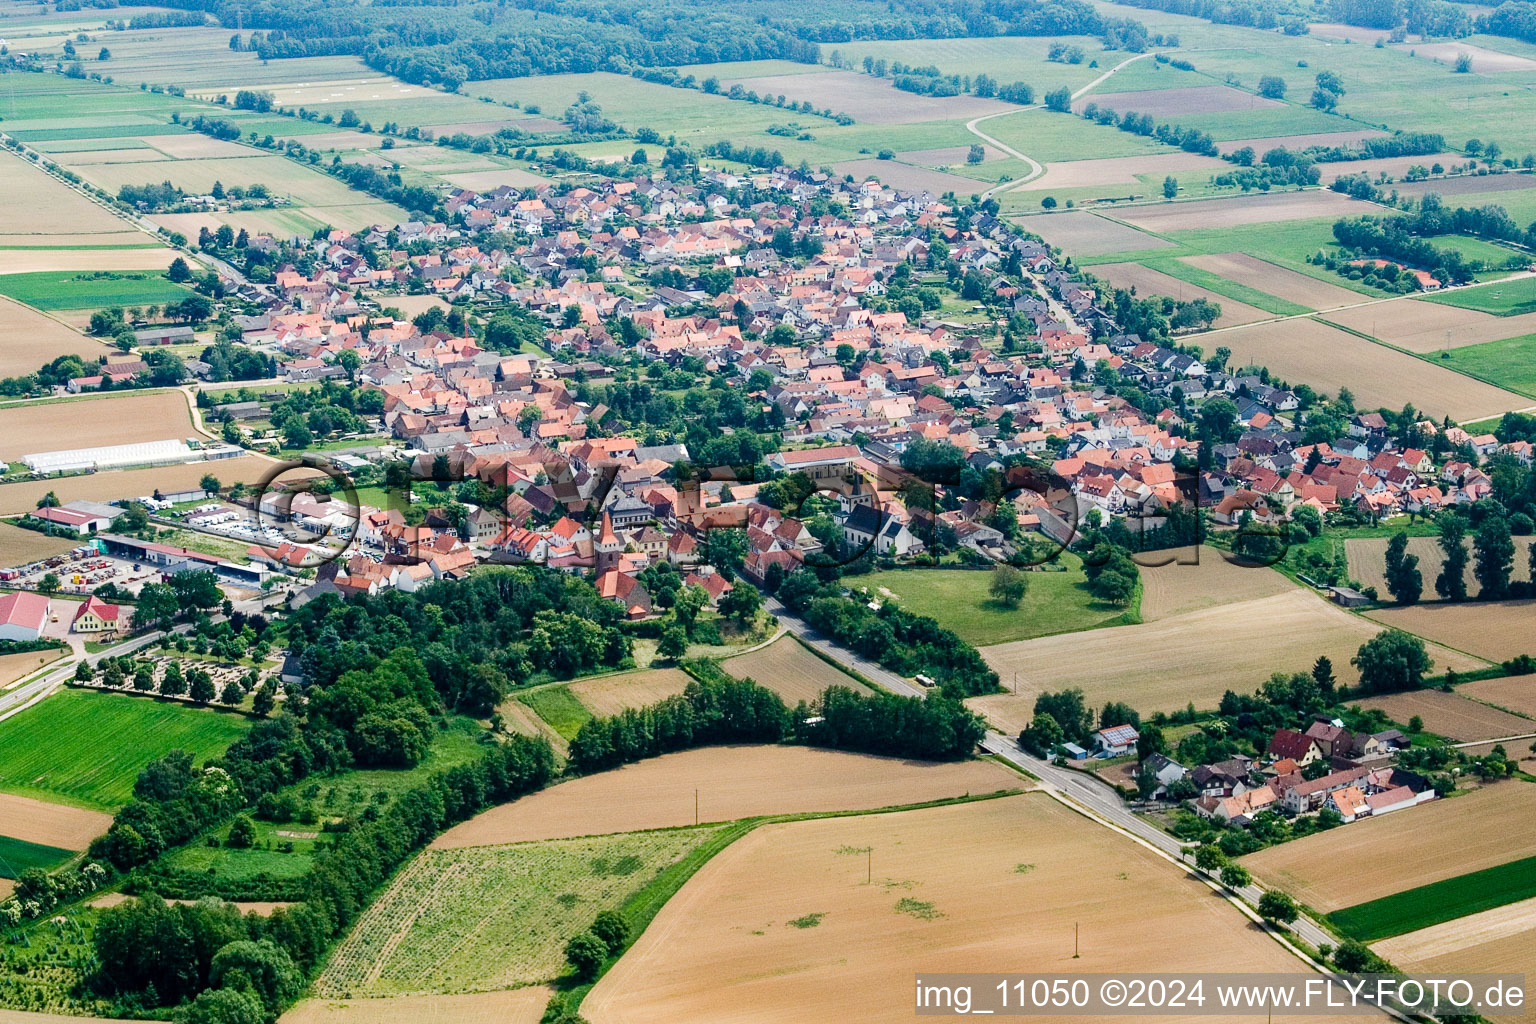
{"type": "Point", "coordinates": [1036, 169]}
{"type": "Point", "coordinates": [1083, 793]}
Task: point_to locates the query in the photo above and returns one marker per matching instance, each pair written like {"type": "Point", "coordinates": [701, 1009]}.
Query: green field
{"type": "Point", "coordinates": [1057, 602]}
{"type": "Point", "coordinates": [1231, 289]}
{"type": "Point", "coordinates": [491, 917]}
{"type": "Point", "coordinates": [18, 855]}
{"type": "Point", "coordinates": [1501, 298]}
{"type": "Point", "coordinates": [1509, 363]}
{"type": "Point", "coordinates": [86, 748]}
{"type": "Point", "coordinates": [69, 289]}
{"type": "Point", "coordinates": [558, 706]}
{"type": "Point", "coordinates": [1438, 902]}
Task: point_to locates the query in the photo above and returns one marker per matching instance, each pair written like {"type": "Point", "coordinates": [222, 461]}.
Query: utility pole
{"type": "Point", "coordinates": [695, 805]}
{"type": "Point", "coordinates": [869, 865]}
{"type": "Point", "coordinates": [1074, 941]}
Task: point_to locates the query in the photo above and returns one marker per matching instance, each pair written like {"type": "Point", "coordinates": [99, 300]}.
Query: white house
{"type": "Point", "coordinates": [1115, 741]}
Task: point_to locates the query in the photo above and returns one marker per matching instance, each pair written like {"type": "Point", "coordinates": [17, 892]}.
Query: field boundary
{"type": "Point", "coordinates": [1444, 364]}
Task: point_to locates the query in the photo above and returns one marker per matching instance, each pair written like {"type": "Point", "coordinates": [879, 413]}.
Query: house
{"type": "Point", "coordinates": [1331, 737]}
{"type": "Point", "coordinates": [1300, 795]}
{"type": "Point", "coordinates": [1116, 741]}
{"type": "Point", "coordinates": [1165, 770]}
{"type": "Point", "coordinates": [97, 616]}
{"type": "Point", "coordinates": [1299, 747]}
{"type": "Point", "coordinates": [1349, 802]}
{"type": "Point", "coordinates": [23, 616]}
{"type": "Point", "coordinates": [1224, 778]}
{"type": "Point", "coordinates": [1239, 809]}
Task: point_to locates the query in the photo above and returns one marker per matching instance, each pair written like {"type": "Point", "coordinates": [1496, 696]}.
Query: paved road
{"type": "Point", "coordinates": [1084, 792]}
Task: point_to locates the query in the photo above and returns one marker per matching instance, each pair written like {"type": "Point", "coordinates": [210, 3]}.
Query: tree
{"type": "Point", "coordinates": [178, 272]}
{"type": "Point", "coordinates": [612, 929]}
{"type": "Point", "coordinates": [49, 500]}
{"type": "Point", "coordinates": [673, 643]}
{"type": "Point", "coordinates": [1235, 876]}
{"type": "Point", "coordinates": [1210, 858]}
{"type": "Point", "coordinates": [1353, 956]}
{"type": "Point", "coordinates": [172, 682]}
{"type": "Point", "coordinates": [296, 434]}
{"type": "Point", "coordinates": [1043, 735]}
{"type": "Point", "coordinates": [144, 679]}
{"type": "Point", "coordinates": [231, 694]}
{"type": "Point", "coordinates": [264, 700]}
{"type": "Point", "coordinates": [1170, 187]}
{"type": "Point", "coordinates": [1008, 586]}
{"type": "Point", "coordinates": [1404, 580]}
{"type": "Point", "coordinates": [1494, 557]}
{"type": "Point", "coordinates": [1048, 203]}
{"type": "Point", "coordinates": [200, 686]}
{"type": "Point", "coordinates": [1324, 100]}
{"type": "Point", "coordinates": [586, 953]}
{"type": "Point", "coordinates": [263, 968]}
{"type": "Point", "coordinates": [1278, 907]}
{"type": "Point", "coordinates": [686, 607]}
{"type": "Point", "coordinates": [222, 1006]}
{"type": "Point", "coordinates": [741, 603]}
{"type": "Point", "coordinates": [242, 833]}
{"type": "Point", "coordinates": [1463, 63]}
{"type": "Point", "coordinates": [1392, 661]}
{"type": "Point", "coordinates": [977, 153]}
{"type": "Point", "coordinates": [1059, 100]}
{"type": "Point", "coordinates": [49, 584]}
{"type": "Point", "coordinates": [84, 673]}
{"type": "Point", "coordinates": [1272, 87]}
{"type": "Point", "coordinates": [210, 484]}
{"type": "Point", "coordinates": [1451, 584]}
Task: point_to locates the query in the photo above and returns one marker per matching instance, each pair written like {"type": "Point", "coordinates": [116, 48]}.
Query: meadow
{"type": "Point", "coordinates": [495, 917]}
{"type": "Point", "coordinates": [958, 599]}
{"type": "Point", "coordinates": [1501, 298]}
{"type": "Point", "coordinates": [1510, 363]}
{"type": "Point", "coordinates": [1437, 902]}
{"type": "Point", "coordinates": [86, 748]}
{"type": "Point", "coordinates": [558, 706]}
{"type": "Point", "coordinates": [66, 289]}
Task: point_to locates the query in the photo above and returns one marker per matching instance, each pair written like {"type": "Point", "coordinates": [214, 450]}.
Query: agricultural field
{"type": "Point", "coordinates": [1367, 558]}
{"type": "Point", "coordinates": [21, 497]}
{"type": "Point", "coordinates": [18, 546]}
{"type": "Point", "coordinates": [958, 599]}
{"type": "Point", "coordinates": [1501, 298]}
{"type": "Point", "coordinates": [1087, 234]}
{"type": "Point", "coordinates": [1442, 839]}
{"type": "Point", "coordinates": [905, 176]}
{"type": "Point", "coordinates": [1513, 693]}
{"type": "Point", "coordinates": [1116, 171]}
{"type": "Point", "coordinates": [85, 748]}
{"type": "Point", "coordinates": [94, 289]}
{"type": "Point", "coordinates": [724, 784]}
{"type": "Point", "coordinates": [608, 695]}
{"type": "Point", "coordinates": [1501, 939]}
{"type": "Point", "coordinates": [50, 825]}
{"type": "Point", "coordinates": [494, 917]}
{"type": "Point", "coordinates": [1450, 715]}
{"type": "Point", "coordinates": [35, 206]}
{"type": "Point", "coordinates": [28, 339]}
{"type": "Point", "coordinates": [1192, 657]}
{"type": "Point", "coordinates": [785, 917]}
{"type": "Point", "coordinates": [1508, 363]}
{"type": "Point", "coordinates": [1439, 902]}
{"type": "Point", "coordinates": [558, 706]}
{"type": "Point", "coordinates": [15, 667]}
{"type": "Point", "coordinates": [127, 258]}
{"type": "Point", "coordinates": [516, 1006]}
{"type": "Point", "coordinates": [1201, 578]}
{"type": "Point", "coordinates": [82, 423]}
{"type": "Point", "coordinates": [18, 856]}
{"type": "Point", "coordinates": [791, 671]}
{"type": "Point", "coordinates": [1493, 630]}
{"type": "Point", "coordinates": [1426, 328]}
{"type": "Point", "coordinates": [867, 99]}
{"type": "Point", "coordinates": [1307, 351]}
{"type": "Point", "coordinates": [1147, 281]}
{"type": "Point", "coordinates": [1287, 285]}
{"type": "Point", "coordinates": [1240, 211]}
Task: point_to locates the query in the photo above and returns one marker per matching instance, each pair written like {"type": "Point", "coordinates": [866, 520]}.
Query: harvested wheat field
{"type": "Point", "coordinates": [1117, 170]}
{"type": "Point", "coordinates": [948, 155]}
{"type": "Point", "coordinates": [1368, 563]}
{"type": "Point", "coordinates": [1148, 282]}
{"type": "Point", "coordinates": [1495, 630]}
{"type": "Point", "coordinates": [489, 180]}
{"type": "Point", "coordinates": [910, 178]}
{"type": "Point", "coordinates": [26, 261]}
{"type": "Point", "coordinates": [1243, 209]}
{"type": "Point", "coordinates": [1450, 715]}
{"type": "Point", "coordinates": [1085, 234]}
{"type": "Point", "coordinates": [732, 782]}
{"type": "Point", "coordinates": [1354, 33]}
{"type": "Point", "coordinates": [1514, 693]}
{"type": "Point", "coordinates": [1391, 166]}
{"type": "Point", "coordinates": [18, 546]}
{"type": "Point", "coordinates": [1511, 953]}
{"type": "Point", "coordinates": [1441, 839]}
{"type": "Point", "coordinates": [1298, 142]}
{"type": "Point", "coordinates": [611, 694]}
{"type": "Point", "coordinates": [869, 100]}
{"type": "Point", "coordinates": [84, 423]}
{"type": "Point", "coordinates": [27, 1017]}
{"type": "Point", "coordinates": [1274, 280]}
{"type": "Point", "coordinates": [790, 671]}
{"type": "Point", "coordinates": [16, 667]}
{"type": "Point", "coordinates": [1463, 933]}
{"type": "Point", "coordinates": [1194, 657]}
{"type": "Point", "coordinates": [520, 718]}
{"type": "Point", "coordinates": [1200, 99]}
{"type": "Point", "coordinates": [1484, 60]}
{"type": "Point", "coordinates": [1425, 327]}
{"type": "Point", "coordinates": [196, 146]}
{"type": "Point", "coordinates": [517, 1006]}
{"type": "Point", "coordinates": [1467, 184]}
{"type": "Point", "coordinates": [65, 828]}
{"type": "Point", "coordinates": [135, 483]}
{"type": "Point", "coordinates": [783, 926]}
{"type": "Point", "coordinates": [33, 203]}
{"type": "Point", "coordinates": [28, 339]}
{"type": "Point", "coordinates": [1201, 578]}
{"type": "Point", "coordinates": [1307, 351]}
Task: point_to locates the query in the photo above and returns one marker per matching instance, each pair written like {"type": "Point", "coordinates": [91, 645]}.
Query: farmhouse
{"type": "Point", "coordinates": [23, 616]}
{"type": "Point", "coordinates": [97, 616]}
{"type": "Point", "coordinates": [1298, 747]}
